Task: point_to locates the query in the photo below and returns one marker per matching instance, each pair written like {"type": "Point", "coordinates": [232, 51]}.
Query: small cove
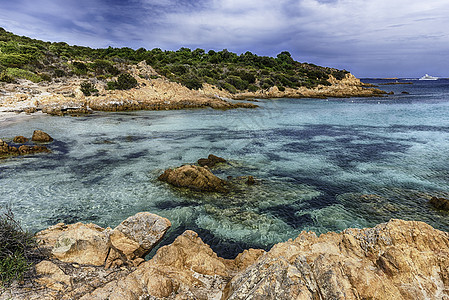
{"type": "Point", "coordinates": [321, 165]}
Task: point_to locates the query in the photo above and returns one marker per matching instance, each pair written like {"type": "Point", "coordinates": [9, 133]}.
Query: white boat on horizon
{"type": "Point", "coordinates": [428, 77]}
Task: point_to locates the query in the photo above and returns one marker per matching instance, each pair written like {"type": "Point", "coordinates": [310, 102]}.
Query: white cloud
{"type": "Point", "coordinates": [362, 35]}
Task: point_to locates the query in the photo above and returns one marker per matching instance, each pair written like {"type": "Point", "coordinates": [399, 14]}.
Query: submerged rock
{"type": "Point", "coordinates": [25, 149]}
{"type": "Point", "coordinates": [211, 161]}
{"type": "Point", "coordinates": [20, 139]}
{"type": "Point", "coordinates": [6, 149]}
{"type": "Point", "coordinates": [194, 177]}
{"type": "Point", "coordinates": [42, 137]}
{"type": "Point", "coordinates": [440, 203]}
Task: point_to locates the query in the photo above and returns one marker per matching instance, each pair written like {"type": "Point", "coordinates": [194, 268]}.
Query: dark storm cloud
{"type": "Point", "coordinates": [370, 38]}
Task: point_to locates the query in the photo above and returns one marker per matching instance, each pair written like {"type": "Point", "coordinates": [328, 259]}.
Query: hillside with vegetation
{"type": "Point", "coordinates": [23, 57]}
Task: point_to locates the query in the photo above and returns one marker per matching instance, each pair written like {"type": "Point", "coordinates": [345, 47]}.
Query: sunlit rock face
{"type": "Point", "coordinates": [394, 260]}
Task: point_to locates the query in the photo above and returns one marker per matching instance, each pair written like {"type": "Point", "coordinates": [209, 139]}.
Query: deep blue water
{"type": "Point", "coordinates": [321, 165]}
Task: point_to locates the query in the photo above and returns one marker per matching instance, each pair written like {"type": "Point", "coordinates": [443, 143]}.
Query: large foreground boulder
{"type": "Point", "coordinates": [93, 245]}
{"type": "Point", "coordinates": [137, 235]}
{"type": "Point", "coordinates": [194, 177]}
{"type": "Point", "coordinates": [395, 260]}
{"type": "Point", "coordinates": [186, 269]}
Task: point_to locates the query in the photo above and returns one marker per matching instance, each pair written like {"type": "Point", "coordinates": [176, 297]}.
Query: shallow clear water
{"type": "Point", "coordinates": [321, 165]}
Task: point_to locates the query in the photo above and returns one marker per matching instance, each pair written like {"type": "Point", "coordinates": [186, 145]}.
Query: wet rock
{"type": "Point", "coordinates": [250, 180]}
{"type": "Point", "coordinates": [439, 203]}
{"type": "Point", "coordinates": [42, 137]}
{"type": "Point", "coordinates": [25, 149]}
{"type": "Point", "coordinates": [194, 177]}
{"type": "Point", "coordinates": [20, 139]}
{"type": "Point", "coordinates": [29, 110]}
{"type": "Point", "coordinates": [211, 161]}
{"type": "Point", "coordinates": [6, 149]}
{"type": "Point", "coordinates": [137, 235]}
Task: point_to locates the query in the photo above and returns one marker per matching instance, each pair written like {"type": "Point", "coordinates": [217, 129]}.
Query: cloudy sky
{"type": "Point", "coordinates": [370, 38]}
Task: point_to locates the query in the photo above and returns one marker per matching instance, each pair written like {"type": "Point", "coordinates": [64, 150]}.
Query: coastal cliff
{"type": "Point", "coordinates": [394, 260]}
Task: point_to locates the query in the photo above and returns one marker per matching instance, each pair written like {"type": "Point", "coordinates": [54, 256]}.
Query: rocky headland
{"type": "Point", "coordinates": [63, 96]}
{"type": "Point", "coordinates": [394, 260]}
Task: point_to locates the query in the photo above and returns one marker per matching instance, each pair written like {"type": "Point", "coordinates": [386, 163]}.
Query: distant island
{"type": "Point", "coordinates": [58, 78]}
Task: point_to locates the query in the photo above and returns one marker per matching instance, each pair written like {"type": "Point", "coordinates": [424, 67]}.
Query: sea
{"type": "Point", "coordinates": [320, 165]}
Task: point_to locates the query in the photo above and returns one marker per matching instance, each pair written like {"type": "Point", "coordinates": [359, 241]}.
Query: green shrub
{"type": "Point", "coordinates": [17, 249]}
{"type": "Point", "coordinates": [59, 73]}
{"type": "Point", "coordinates": [103, 67]}
{"type": "Point", "coordinates": [253, 88]}
{"type": "Point", "coordinates": [229, 87]}
{"type": "Point", "coordinates": [237, 82]}
{"type": "Point", "coordinates": [340, 74]}
{"type": "Point", "coordinates": [192, 83]}
{"type": "Point", "coordinates": [126, 82]}
{"type": "Point", "coordinates": [45, 76]}
{"type": "Point", "coordinates": [6, 78]}
{"type": "Point", "coordinates": [24, 74]}
{"type": "Point", "coordinates": [14, 60]}
{"type": "Point", "coordinates": [88, 88]}
{"type": "Point", "coordinates": [111, 85]}
{"type": "Point", "coordinates": [79, 68]}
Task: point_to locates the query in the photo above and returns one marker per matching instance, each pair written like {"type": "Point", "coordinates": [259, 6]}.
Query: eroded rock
{"type": "Point", "coordinates": [90, 244]}
{"type": "Point", "coordinates": [395, 260]}
{"type": "Point", "coordinates": [211, 161]}
{"type": "Point", "coordinates": [186, 269]}
{"type": "Point", "coordinates": [194, 177]}
{"type": "Point", "coordinates": [20, 139]}
{"type": "Point", "coordinates": [42, 137]}
{"type": "Point", "coordinates": [137, 235]}
{"type": "Point", "coordinates": [83, 244]}
{"type": "Point", "coordinates": [6, 149]}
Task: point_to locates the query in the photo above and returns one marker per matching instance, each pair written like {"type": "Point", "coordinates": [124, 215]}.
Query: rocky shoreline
{"type": "Point", "coordinates": [394, 260]}
{"type": "Point", "coordinates": [154, 92]}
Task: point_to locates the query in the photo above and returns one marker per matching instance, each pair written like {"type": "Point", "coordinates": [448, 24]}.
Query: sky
{"type": "Point", "coordinates": [369, 38]}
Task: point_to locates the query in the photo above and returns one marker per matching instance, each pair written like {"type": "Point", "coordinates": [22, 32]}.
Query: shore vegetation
{"type": "Point", "coordinates": [36, 60]}
{"type": "Point", "coordinates": [18, 249]}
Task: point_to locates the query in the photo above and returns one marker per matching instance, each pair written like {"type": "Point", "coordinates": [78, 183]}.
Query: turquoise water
{"type": "Point", "coordinates": [321, 165]}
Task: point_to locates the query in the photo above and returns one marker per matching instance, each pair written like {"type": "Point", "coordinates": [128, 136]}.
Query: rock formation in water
{"type": "Point", "coordinates": [194, 177]}
{"type": "Point", "coordinates": [8, 150]}
{"type": "Point", "coordinates": [211, 161]}
{"type": "Point", "coordinates": [394, 260]}
{"type": "Point", "coordinates": [41, 137]}
{"type": "Point", "coordinates": [440, 203]}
